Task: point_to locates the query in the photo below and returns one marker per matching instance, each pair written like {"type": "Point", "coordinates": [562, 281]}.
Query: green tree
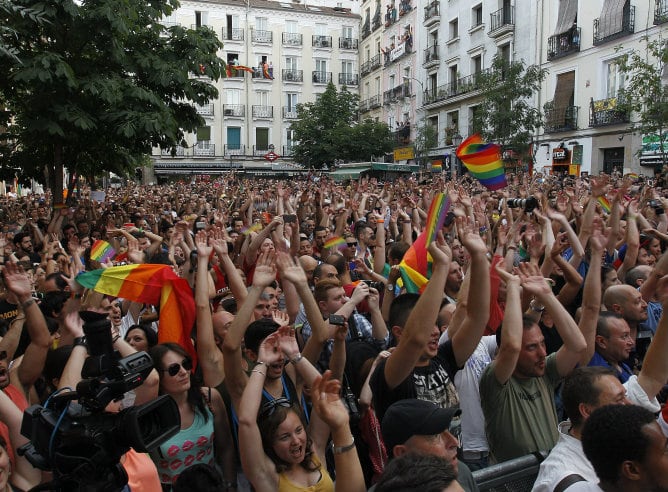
{"type": "Point", "coordinates": [645, 93]}
{"type": "Point", "coordinates": [426, 138]}
{"type": "Point", "coordinates": [99, 83]}
{"type": "Point", "coordinates": [327, 129]}
{"type": "Point", "coordinates": [506, 114]}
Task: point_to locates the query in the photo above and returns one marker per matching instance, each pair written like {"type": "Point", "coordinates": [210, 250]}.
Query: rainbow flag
{"type": "Point", "coordinates": [438, 209]}
{"type": "Point", "coordinates": [254, 227]}
{"type": "Point", "coordinates": [483, 160]}
{"type": "Point", "coordinates": [436, 166]}
{"type": "Point", "coordinates": [102, 251]}
{"type": "Point", "coordinates": [335, 242]}
{"type": "Point", "coordinates": [151, 284]}
{"type": "Point", "coordinates": [415, 267]}
{"type": "Point", "coordinates": [605, 204]}
{"type": "Point", "coordinates": [231, 70]}
{"type": "Point", "coordinates": [265, 72]}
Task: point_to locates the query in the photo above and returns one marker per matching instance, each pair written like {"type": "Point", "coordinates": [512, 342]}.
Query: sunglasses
{"type": "Point", "coordinates": [351, 245]}
{"type": "Point", "coordinates": [269, 407]}
{"type": "Point", "coordinates": [173, 369]}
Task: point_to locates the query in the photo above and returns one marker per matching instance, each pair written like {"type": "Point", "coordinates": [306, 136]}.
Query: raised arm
{"type": "Point", "coordinates": [511, 340]}
{"type": "Point", "coordinates": [591, 297]}
{"type": "Point", "coordinates": [468, 336]}
{"type": "Point", "coordinates": [654, 372]}
{"type": "Point", "coordinates": [632, 240]}
{"type": "Point", "coordinates": [421, 322]}
{"type": "Point", "coordinates": [219, 241]}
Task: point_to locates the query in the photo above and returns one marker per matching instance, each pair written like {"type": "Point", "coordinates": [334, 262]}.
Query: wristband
{"type": "Point", "coordinates": [536, 307]}
{"type": "Point", "coordinates": [259, 372]}
{"type": "Point", "coordinates": [115, 339]}
{"type": "Point", "coordinates": [380, 221]}
{"type": "Point", "coordinates": [296, 358]}
{"type": "Point", "coordinates": [343, 449]}
{"type": "Point", "coordinates": [28, 303]}
{"type": "Point", "coordinates": [80, 341]}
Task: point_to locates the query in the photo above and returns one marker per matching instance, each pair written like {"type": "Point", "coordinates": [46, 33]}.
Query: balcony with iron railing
{"type": "Point", "coordinates": [204, 109]}
{"type": "Point", "coordinates": [605, 112]}
{"type": "Point", "coordinates": [175, 152]}
{"type": "Point", "coordinates": [289, 113]}
{"type": "Point", "coordinates": [234, 149]}
{"type": "Point", "coordinates": [375, 62]}
{"type": "Point", "coordinates": [616, 27]}
{"type": "Point", "coordinates": [261, 150]}
{"type": "Point", "coordinates": [366, 29]}
{"type": "Point", "coordinates": [397, 93]}
{"type": "Point", "coordinates": [402, 136]}
{"type": "Point", "coordinates": [265, 37]}
{"type": "Point", "coordinates": [392, 56]}
{"type": "Point", "coordinates": [431, 56]}
{"type": "Point", "coordinates": [458, 87]}
{"type": "Point", "coordinates": [318, 41]}
{"type": "Point", "coordinates": [374, 102]}
{"type": "Point", "coordinates": [502, 21]}
{"type": "Point", "coordinates": [322, 77]}
{"type": "Point", "coordinates": [259, 74]}
{"type": "Point", "coordinates": [290, 75]}
{"type": "Point", "coordinates": [560, 119]}
{"type": "Point", "coordinates": [288, 150]}
{"type": "Point", "coordinates": [660, 12]}
{"type": "Point", "coordinates": [349, 79]}
{"type": "Point", "coordinates": [364, 106]}
{"type": "Point", "coordinates": [235, 74]}
{"type": "Point", "coordinates": [204, 149]}
{"type": "Point", "coordinates": [365, 68]}
{"type": "Point", "coordinates": [234, 110]}
{"type": "Point", "coordinates": [263, 112]}
{"type": "Point", "coordinates": [432, 13]}
{"type": "Point", "coordinates": [563, 44]}
{"type": "Point", "coordinates": [292, 39]}
{"type": "Point", "coordinates": [233, 34]}
{"type": "Point", "coordinates": [348, 43]}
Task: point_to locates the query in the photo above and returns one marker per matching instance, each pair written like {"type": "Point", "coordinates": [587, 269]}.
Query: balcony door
{"type": "Point", "coordinates": [234, 137]}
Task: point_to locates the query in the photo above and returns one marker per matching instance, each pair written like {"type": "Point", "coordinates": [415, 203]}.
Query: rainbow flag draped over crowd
{"type": "Point", "coordinates": [483, 160]}
{"type": "Point", "coordinates": [151, 284]}
{"type": "Point", "coordinates": [415, 267]}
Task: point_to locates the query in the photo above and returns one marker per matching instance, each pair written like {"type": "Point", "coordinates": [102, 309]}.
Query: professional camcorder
{"type": "Point", "coordinates": [80, 442]}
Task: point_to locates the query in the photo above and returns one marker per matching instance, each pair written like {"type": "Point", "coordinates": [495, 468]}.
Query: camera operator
{"type": "Point", "coordinates": [142, 473]}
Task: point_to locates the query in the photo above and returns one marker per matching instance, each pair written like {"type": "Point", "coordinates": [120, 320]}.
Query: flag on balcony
{"type": "Point", "coordinates": [151, 284]}
{"type": "Point", "coordinates": [266, 73]}
{"type": "Point", "coordinates": [483, 160]}
{"type": "Point", "coordinates": [230, 70]}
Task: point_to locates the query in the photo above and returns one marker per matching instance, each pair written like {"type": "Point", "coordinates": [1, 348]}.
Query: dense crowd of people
{"type": "Point", "coordinates": [318, 368]}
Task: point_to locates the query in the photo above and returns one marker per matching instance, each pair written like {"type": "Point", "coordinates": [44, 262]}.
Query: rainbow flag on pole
{"type": "Point", "coordinates": [483, 160]}
{"type": "Point", "coordinates": [415, 267]}
{"type": "Point", "coordinates": [151, 284]}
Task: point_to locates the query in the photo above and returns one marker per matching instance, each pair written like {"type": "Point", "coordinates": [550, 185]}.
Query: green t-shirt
{"type": "Point", "coordinates": [520, 416]}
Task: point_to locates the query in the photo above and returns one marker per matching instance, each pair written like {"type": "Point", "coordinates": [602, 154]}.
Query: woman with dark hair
{"type": "Point", "coordinates": [205, 431]}
{"type": "Point", "coordinates": [277, 452]}
{"type": "Point", "coordinates": [141, 337]}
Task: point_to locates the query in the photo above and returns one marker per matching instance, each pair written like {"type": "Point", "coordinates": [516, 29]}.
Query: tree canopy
{"type": "Point", "coordinates": [328, 129]}
{"type": "Point", "coordinates": [506, 114]}
{"type": "Point", "coordinates": [95, 84]}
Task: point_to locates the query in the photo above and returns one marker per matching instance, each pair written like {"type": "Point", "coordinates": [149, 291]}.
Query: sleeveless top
{"type": "Point", "coordinates": [325, 483]}
{"type": "Point", "coordinates": [187, 448]}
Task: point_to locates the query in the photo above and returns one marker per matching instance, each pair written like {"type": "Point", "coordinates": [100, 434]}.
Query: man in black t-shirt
{"type": "Point", "coordinates": [418, 367]}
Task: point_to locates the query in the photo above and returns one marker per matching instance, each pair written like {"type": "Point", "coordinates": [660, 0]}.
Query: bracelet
{"type": "Point", "coordinates": [28, 303]}
{"type": "Point", "coordinates": [296, 358]}
{"type": "Point", "coordinates": [115, 339]}
{"type": "Point", "coordinates": [380, 221]}
{"type": "Point", "coordinates": [80, 341]}
{"type": "Point", "coordinates": [535, 307]}
{"type": "Point", "coordinates": [259, 372]}
{"type": "Point", "coordinates": [343, 449]}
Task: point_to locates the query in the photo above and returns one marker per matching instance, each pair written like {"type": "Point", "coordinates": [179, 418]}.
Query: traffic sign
{"type": "Point", "coordinates": [271, 156]}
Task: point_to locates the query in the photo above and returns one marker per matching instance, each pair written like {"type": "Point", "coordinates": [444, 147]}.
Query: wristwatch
{"type": "Point", "coordinates": [389, 287]}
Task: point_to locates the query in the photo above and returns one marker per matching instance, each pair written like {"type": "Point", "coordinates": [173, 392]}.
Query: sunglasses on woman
{"type": "Point", "coordinates": [173, 369]}
{"type": "Point", "coordinates": [269, 407]}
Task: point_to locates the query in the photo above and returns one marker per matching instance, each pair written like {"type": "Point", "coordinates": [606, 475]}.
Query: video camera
{"type": "Point", "coordinates": [528, 204]}
{"type": "Point", "coordinates": [80, 442]}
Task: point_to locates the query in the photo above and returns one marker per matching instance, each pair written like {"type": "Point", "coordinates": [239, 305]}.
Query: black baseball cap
{"type": "Point", "coordinates": [407, 418]}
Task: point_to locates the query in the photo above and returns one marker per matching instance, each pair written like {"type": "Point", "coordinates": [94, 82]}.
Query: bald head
{"type": "Point", "coordinates": [308, 263]}
{"type": "Point", "coordinates": [221, 324]}
{"type": "Point", "coordinates": [617, 295]}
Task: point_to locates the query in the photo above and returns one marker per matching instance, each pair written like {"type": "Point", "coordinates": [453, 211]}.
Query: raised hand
{"type": "Point", "coordinates": [290, 269]}
{"type": "Point", "coordinates": [507, 277]}
{"type": "Point", "coordinates": [440, 251]}
{"type": "Point", "coordinates": [134, 253]}
{"type": "Point", "coordinates": [265, 269]}
{"type": "Point", "coordinates": [469, 235]}
{"type": "Point", "coordinates": [286, 342]}
{"type": "Point", "coordinates": [280, 318]}
{"type": "Point", "coordinates": [360, 293]}
{"type": "Point", "coordinates": [326, 401]}
{"type": "Point", "coordinates": [202, 245]}
{"type": "Point", "coordinates": [218, 240]}
{"type": "Point", "coordinates": [17, 281]}
{"type": "Point", "coordinates": [533, 281]}
{"type": "Point", "coordinates": [269, 351]}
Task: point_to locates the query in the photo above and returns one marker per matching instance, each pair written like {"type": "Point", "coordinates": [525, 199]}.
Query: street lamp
{"type": "Point", "coordinates": [454, 166]}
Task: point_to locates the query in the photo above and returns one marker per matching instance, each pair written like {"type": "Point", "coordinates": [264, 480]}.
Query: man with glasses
{"type": "Point", "coordinates": [422, 427]}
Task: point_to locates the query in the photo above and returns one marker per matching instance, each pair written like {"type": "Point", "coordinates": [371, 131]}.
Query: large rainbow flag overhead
{"type": "Point", "coordinates": [415, 267]}
{"type": "Point", "coordinates": [483, 160]}
{"type": "Point", "coordinates": [151, 284]}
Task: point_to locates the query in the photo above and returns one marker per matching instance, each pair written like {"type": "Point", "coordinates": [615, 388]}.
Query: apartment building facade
{"type": "Point", "coordinates": [287, 52]}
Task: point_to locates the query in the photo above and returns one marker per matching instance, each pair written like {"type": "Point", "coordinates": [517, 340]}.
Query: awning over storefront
{"type": "Point", "coordinates": [401, 168]}
{"type": "Point", "coordinates": [568, 11]}
{"type": "Point", "coordinates": [345, 173]}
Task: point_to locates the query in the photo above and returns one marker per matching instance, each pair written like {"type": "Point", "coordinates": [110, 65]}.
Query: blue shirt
{"type": "Point", "coordinates": [623, 375]}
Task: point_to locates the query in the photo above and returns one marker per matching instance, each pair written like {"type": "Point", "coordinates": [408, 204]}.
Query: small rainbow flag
{"type": "Point", "coordinates": [265, 72]}
{"type": "Point", "coordinates": [151, 284]}
{"type": "Point", "coordinates": [436, 166]}
{"type": "Point", "coordinates": [605, 204]}
{"type": "Point", "coordinates": [335, 242]}
{"type": "Point", "coordinates": [102, 251]}
{"type": "Point", "coordinates": [254, 227]}
{"type": "Point", "coordinates": [415, 267]}
{"type": "Point", "coordinates": [483, 160]}
{"type": "Point", "coordinates": [438, 209]}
